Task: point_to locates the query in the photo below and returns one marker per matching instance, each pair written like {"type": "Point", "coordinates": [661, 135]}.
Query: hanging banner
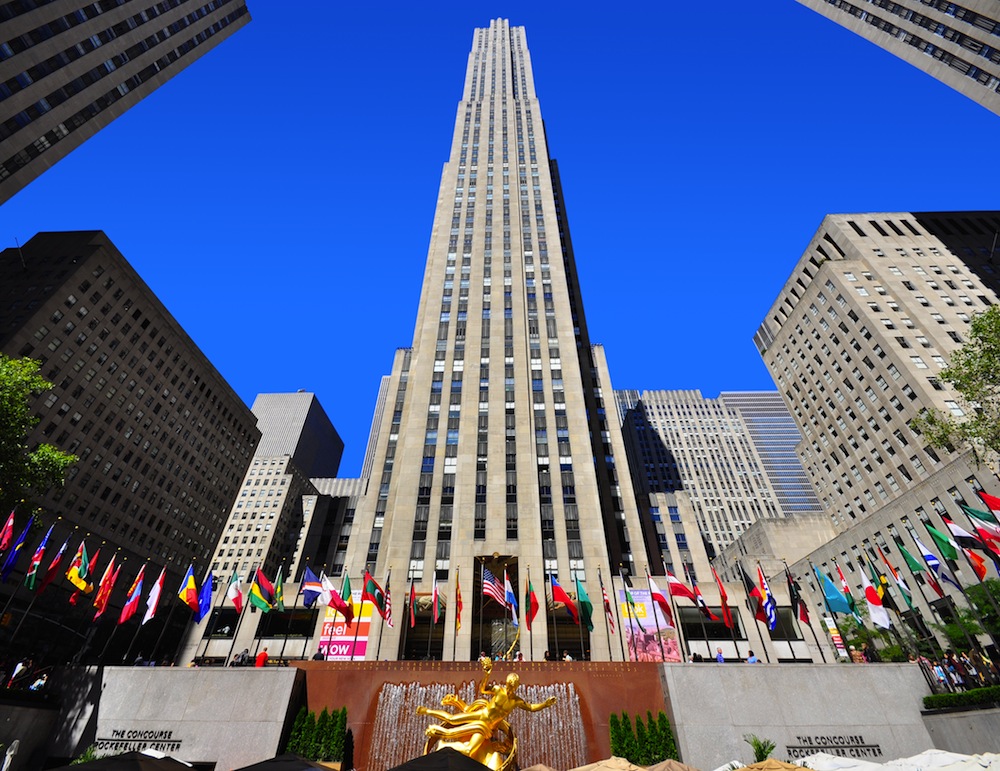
{"type": "Point", "coordinates": [838, 641]}
{"type": "Point", "coordinates": [337, 640]}
{"type": "Point", "coordinates": [642, 642]}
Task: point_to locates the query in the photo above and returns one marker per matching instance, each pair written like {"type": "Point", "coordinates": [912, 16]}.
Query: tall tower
{"type": "Point", "coordinates": [495, 450]}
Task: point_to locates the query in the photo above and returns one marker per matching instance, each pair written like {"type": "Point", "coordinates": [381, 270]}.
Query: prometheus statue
{"type": "Point", "coordinates": [480, 730]}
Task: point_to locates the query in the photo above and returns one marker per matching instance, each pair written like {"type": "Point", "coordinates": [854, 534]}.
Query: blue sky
{"type": "Point", "coordinates": [262, 191]}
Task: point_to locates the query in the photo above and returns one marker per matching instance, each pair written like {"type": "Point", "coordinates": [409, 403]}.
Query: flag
{"type": "Point", "coordinates": [104, 588]}
{"type": "Point", "coordinates": [374, 594]}
{"type": "Point", "coordinates": [261, 593]}
{"type": "Point", "coordinates": [901, 584]}
{"type": "Point", "coordinates": [530, 603]}
{"type": "Point", "coordinates": [435, 601]}
{"type": "Point", "coordinates": [984, 522]}
{"type": "Point", "coordinates": [727, 614]}
{"type": "Point", "coordinates": [8, 532]}
{"type": "Point", "coordinates": [882, 588]}
{"type": "Point", "coordinates": [916, 567]}
{"type": "Point", "coordinates": [413, 604]}
{"type": "Point", "coordinates": [770, 606]}
{"type": "Point", "coordinates": [84, 587]}
{"type": "Point", "coordinates": [153, 601]}
{"type": "Point", "coordinates": [991, 501]}
{"type": "Point", "coordinates": [8, 565]}
{"type": "Point", "coordinates": [934, 564]}
{"type": "Point", "coordinates": [189, 590]}
{"type": "Point", "coordinates": [53, 571]}
{"type": "Point", "coordinates": [968, 541]}
{"type": "Point", "coordinates": [388, 600]}
{"type": "Point", "coordinates": [458, 604]}
{"type": "Point", "coordinates": [77, 572]}
{"type": "Point", "coordinates": [279, 591]}
{"type": "Point", "coordinates": [586, 606]}
{"type": "Point", "coordinates": [754, 597]}
{"type": "Point", "coordinates": [949, 549]}
{"type": "Point", "coordinates": [234, 592]}
{"type": "Point", "coordinates": [558, 595]}
{"type": "Point", "coordinates": [36, 560]}
{"type": "Point", "coordinates": [678, 588]}
{"type": "Point", "coordinates": [492, 587]}
{"type": "Point", "coordinates": [799, 607]}
{"type": "Point", "coordinates": [835, 599]}
{"type": "Point", "coordinates": [312, 589]}
{"type": "Point", "coordinates": [330, 596]}
{"type": "Point", "coordinates": [978, 563]}
{"type": "Point", "coordinates": [846, 589]}
{"type": "Point", "coordinates": [510, 598]}
{"type": "Point", "coordinates": [630, 600]}
{"type": "Point", "coordinates": [204, 598]}
{"type": "Point", "coordinates": [608, 612]}
{"type": "Point", "coordinates": [876, 611]}
{"type": "Point", "coordinates": [660, 599]}
{"type": "Point", "coordinates": [132, 598]}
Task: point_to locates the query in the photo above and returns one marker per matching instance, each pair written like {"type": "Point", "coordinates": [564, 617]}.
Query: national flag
{"type": "Point", "coordinates": [36, 560]}
{"type": "Point", "coordinates": [53, 571]}
{"type": "Point", "coordinates": [189, 590]}
{"type": "Point", "coordinates": [968, 541]}
{"type": "Point", "coordinates": [279, 590]}
{"type": "Point", "coordinates": [755, 599]}
{"type": "Point", "coordinates": [530, 603]}
{"type": "Point", "coordinates": [388, 600]}
{"type": "Point", "coordinates": [799, 607]}
{"type": "Point", "coordinates": [413, 604]}
{"type": "Point", "coordinates": [586, 606]}
{"type": "Point", "coordinates": [77, 571]}
{"type": "Point", "coordinates": [8, 565]}
{"type": "Point", "coordinates": [835, 599]}
{"type": "Point", "coordinates": [770, 606]}
{"type": "Point", "coordinates": [205, 598]}
{"type": "Point", "coordinates": [84, 587]}
{"type": "Point", "coordinates": [132, 597]}
{"type": "Point", "coordinates": [934, 564]}
{"type": "Point", "coordinates": [609, 613]}
{"type": "Point", "coordinates": [876, 611]}
{"type": "Point", "coordinates": [104, 588]}
{"type": "Point", "coordinates": [492, 587]}
{"type": "Point", "coordinates": [435, 602]}
{"type": "Point", "coordinates": [458, 604]}
{"type": "Point", "coordinates": [153, 601]}
{"type": "Point", "coordinates": [312, 588]}
{"type": "Point", "coordinates": [882, 588]}
{"type": "Point", "coordinates": [234, 592]}
{"type": "Point", "coordinates": [949, 549]}
{"type": "Point", "coordinates": [846, 589]}
{"type": "Point", "coordinates": [340, 602]}
{"type": "Point", "coordinates": [660, 599]}
{"type": "Point", "coordinates": [991, 501]}
{"type": "Point", "coordinates": [261, 593]}
{"type": "Point", "coordinates": [630, 600]}
{"type": "Point", "coordinates": [8, 532]}
{"type": "Point", "coordinates": [915, 567]}
{"type": "Point", "coordinates": [559, 595]}
{"type": "Point", "coordinates": [984, 522]}
{"type": "Point", "coordinates": [901, 584]}
{"type": "Point", "coordinates": [374, 594]}
{"type": "Point", "coordinates": [727, 614]}
{"type": "Point", "coordinates": [510, 598]}
{"type": "Point", "coordinates": [678, 588]}
{"type": "Point", "coordinates": [978, 563]}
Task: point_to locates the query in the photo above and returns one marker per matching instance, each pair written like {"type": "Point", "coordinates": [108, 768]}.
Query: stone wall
{"type": "Point", "coordinates": [972, 731]}
{"type": "Point", "coordinates": [32, 726]}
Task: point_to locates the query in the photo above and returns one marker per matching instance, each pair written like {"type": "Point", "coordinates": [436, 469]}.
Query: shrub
{"type": "Point", "coordinates": [975, 697]}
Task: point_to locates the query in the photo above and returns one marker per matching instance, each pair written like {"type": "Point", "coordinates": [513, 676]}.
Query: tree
{"type": "Point", "coordinates": [667, 737]}
{"type": "Point", "coordinates": [642, 744]}
{"type": "Point", "coordinates": [298, 727]}
{"type": "Point", "coordinates": [339, 730]}
{"type": "Point", "coordinates": [980, 594]}
{"type": "Point", "coordinates": [974, 374]}
{"type": "Point", "coordinates": [615, 729]}
{"type": "Point", "coordinates": [24, 473]}
{"type": "Point", "coordinates": [630, 748]}
{"type": "Point", "coordinates": [762, 748]}
{"type": "Point", "coordinates": [324, 737]}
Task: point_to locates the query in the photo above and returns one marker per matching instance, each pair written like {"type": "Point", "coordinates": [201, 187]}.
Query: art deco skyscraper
{"type": "Point", "coordinates": [496, 447]}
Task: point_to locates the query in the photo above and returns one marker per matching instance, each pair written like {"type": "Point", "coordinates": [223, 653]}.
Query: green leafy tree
{"type": "Point", "coordinates": [310, 738]}
{"type": "Point", "coordinates": [974, 373]}
{"type": "Point", "coordinates": [86, 756]}
{"type": "Point", "coordinates": [762, 748]}
{"type": "Point", "coordinates": [642, 744]}
{"type": "Point", "coordinates": [962, 626]}
{"type": "Point", "coordinates": [615, 729]}
{"type": "Point", "coordinates": [629, 745]}
{"type": "Point", "coordinates": [295, 736]}
{"type": "Point", "coordinates": [653, 737]}
{"type": "Point", "coordinates": [669, 745]}
{"type": "Point", "coordinates": [24, 472]}
{"type": "Point", "coordinates": [980, 595]}
{"type": "Point", "coordinates": [324, 736]}
{"type": "Point", "coordinates": [339, 730]}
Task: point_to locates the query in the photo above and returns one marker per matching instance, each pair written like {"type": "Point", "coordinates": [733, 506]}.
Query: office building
{"type": "Point", "coordinates": [70, 67]}
{"type": "Point", "coordinates": [956, 43]}
{"type": "Point", "coordinates": [163, 441]}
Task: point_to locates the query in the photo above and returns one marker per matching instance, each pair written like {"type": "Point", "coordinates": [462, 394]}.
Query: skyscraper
{"type": "Point", "coordinates": [70, 67]}
{"type": "Point", "coordinates": [496, 450]}
{"type": "Point", "coordinates": [955, 43]}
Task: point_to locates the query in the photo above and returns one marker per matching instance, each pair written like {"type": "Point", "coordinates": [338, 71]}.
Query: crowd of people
{"type": "Point", "coordinates": [24, 675]}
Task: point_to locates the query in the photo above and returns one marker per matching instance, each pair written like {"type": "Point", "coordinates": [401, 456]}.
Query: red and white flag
{"type": "Point", "coordinates": [660, 599]}
{"type": "Point", "coordinates": [235, 592]}
{"type": "Point", "coordinates": [679, 589]}
{"type": "Point", "coordinates": [153, 601]}
{"type": "Point", "coordinates": [8, 532]}
{"type": "Point", "coordinates": [435, 604]}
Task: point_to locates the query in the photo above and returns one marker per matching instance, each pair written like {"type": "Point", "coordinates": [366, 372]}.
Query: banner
{"type": "Point", "coordinates": [639, 623]}
{"type": "Point", "coordinates": [337, 639]}
{"type": "Point", "coordinates": [838, 641]}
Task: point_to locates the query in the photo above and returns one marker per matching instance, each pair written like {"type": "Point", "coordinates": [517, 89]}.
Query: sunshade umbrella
{"type": "Point", "coordinates": [613, 763]}
{"type": "Point", "coordinates": [131, 761]}
{"type": "Point", "coordinates": [671, 765]}
{"type": "Point", "coordinates": [823, 761]}
{"type": "Point", "coordinates": [287, 762]}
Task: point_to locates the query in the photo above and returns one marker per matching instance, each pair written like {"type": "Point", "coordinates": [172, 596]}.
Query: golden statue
{"type": "Point", "coordinates": [480, 730]}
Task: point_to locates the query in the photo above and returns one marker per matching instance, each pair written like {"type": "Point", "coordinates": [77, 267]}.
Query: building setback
{"type": "Point", "coordinates": [70, 67]}
{"type": "Point", "coordinates": [162, 439]}
{"type": "Point", "coordinates": [956, 43]}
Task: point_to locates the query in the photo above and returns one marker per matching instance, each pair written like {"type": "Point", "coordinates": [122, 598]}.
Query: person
{"type": "Point", "coordinates": [566, 656]}
{"type": "Point", "coordinates": [857, 657]}
{"type": "Point", "coordinates": [547, 656]}
{"type": "Point", "coordinates": [319, 656]}
{"type": "Point", "coordinates": [39, 683]}
{"type": "Point", "coordinates": [139, 661]}
{"type": "Point", "coordinates": [520, 657]}
{"type": "Point", "coordinates": [241, 659]}
{"type": "Point", "coordinates": [22, 671]}
{"type": "Point", "coordinates": [719, 657]}
{"type": "Point", "coordinates": [751, 659]}
{"type": "Point", "coordinates": [262, 658]}
{"type": "Point", "coordinates": [940, 676]}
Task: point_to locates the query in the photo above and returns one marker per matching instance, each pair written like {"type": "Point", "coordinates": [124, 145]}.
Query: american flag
{"type": "Point", "coordinates": [492, 587]}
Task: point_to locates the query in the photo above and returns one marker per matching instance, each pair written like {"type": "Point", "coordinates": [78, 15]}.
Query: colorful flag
{"type": "Point", "coordinates": [343, 603]}
{"type": "Point", "coordinates": [608, 612]}
{"type": "Point", "coordinates": [53, 571]}
{"type": "Point", "coordinates": [630, 600]}
{"type": "Point", "coordinates": [876, 611]}
{"type": "Point", "coordinates": [77, 571]}
{"type": "Point", "coordinates": [510, 598]}
{"type": "Point", "coordinates": [530, 603]}
{"type": "Point", "coordinates": [934, 564]}
{"type": "Point", "coordinates": [8, 532]}
{"type": "Point", "coordinates": [261, 593]}
{"type": "Point", "coordinates": [949, 549]}
{"type": "Point", "coordinates": [458, 604]}
{"type": "Point", "coordinates": [835, 599]}
{"type": "Point", "coordinates": [915, 567]}
{"type": "Point", "coordinates": [678, 588]}
{"type": "Point", "coordinates": [586, 606]}
{"type": "Point", "coordinates": [413, 604]}
{"type": "Point", "coordinates": [978, 563]}
{"type": "Point", "coordinates": [15, 551]}
{"type": "Point", "coordinates": [727, 614]}
{"type": "Point", "coordinates": [991, 501]}
{"type": "Point", "coordinates": [87, 587]}
{"type": "Point", "coordinates": [983, 519]}
{"type": "Point", "coordinates": [153, 601]}
{"type": "Point", "coordinates": [492, 587]}
{"type": "Point", "coordinates": [968, 541]}
{"type": "Point", "coordinates": [104, 588]}
{"type": "Point", "coordinates": [901, 584]}
{"type": "Point", "coordinates": [279, 590]}
{"type": "Point", "coordinates": [36, 560]}
{"type": "Point", "coordinates": [799, 607]}
{"type": "Point", "coordinates": [132, 597]}
{"type": "Point", "coordinates": [754, 597]}
{"type": "Point", "coordinates": [374, 594]}
{"type": "Point", "coordinates": [312, 589]}
{"type": "Point", "coordinates": [388, 600]}
{"type": "Point", "coordinates": [234, 592]}
{"type": "Point", "coordinates": [435, 602]}
{"type": "Point", "coordinates": [770, 606]}
{"type": "Point", "coordinates": [660, 599]}
{"type": "Point", "coordinates": [205, 598]}
{"type": "Point", "coordinates": [846, 589]}
{"type": "Point", "coordinates": [558, 595]}
{"type": "Point", "coordinates": [189, 590]}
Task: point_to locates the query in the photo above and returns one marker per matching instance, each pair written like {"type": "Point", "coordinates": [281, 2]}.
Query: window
{"type": "Point", "coordinates": [954, 409]}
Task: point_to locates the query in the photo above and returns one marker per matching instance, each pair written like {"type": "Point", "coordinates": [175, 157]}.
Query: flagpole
{"type": "Point", "coordinates": [482, 583]}
{"type": "Point", "coordinates": [454, 636]}
{"type": "Point", "coordinates": [239, 621]}
{"type": "Point", "coordinates": [555, 628]}
{"type": "Point", "coordinates": [826, 603]}
{"type": "Point", "coordinates": [291, 614]}
{"type": "Point", "coordinates": [430, 637]}
{"type": "Point", "coordinates": [381, 627]}
{"type": "Point", "coordinates": [583, 650]}
{"type": "Point", "coordinates": [901, 637]}
{"type": "Point", "coordinates": [968, 559]}
{"type": "Point", "coordinates": [628, 611]}
{"type": "Point", "coordinates": [621, 632]}
{"type": "Point", "coordinates": [607, 628]}
{"type": "Point", "coordinates": [989, 552]}
{"type": "Point", "coordinates": [795, 613]}
{"type": "Point", "coordinates": [656, 619]}
{"type": "Point", "coordinates": [361, 610]}
{"type": "Point", "coordinates": [935, 642]}
{"type": "Point", "coordinates": [527, 610]}
{"type": "Point", "coordinates": [212, 621]}
{"type": "Point", "coordinates": [701, 616]}
{"type": "Point", "coordinates": [753, 614]}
